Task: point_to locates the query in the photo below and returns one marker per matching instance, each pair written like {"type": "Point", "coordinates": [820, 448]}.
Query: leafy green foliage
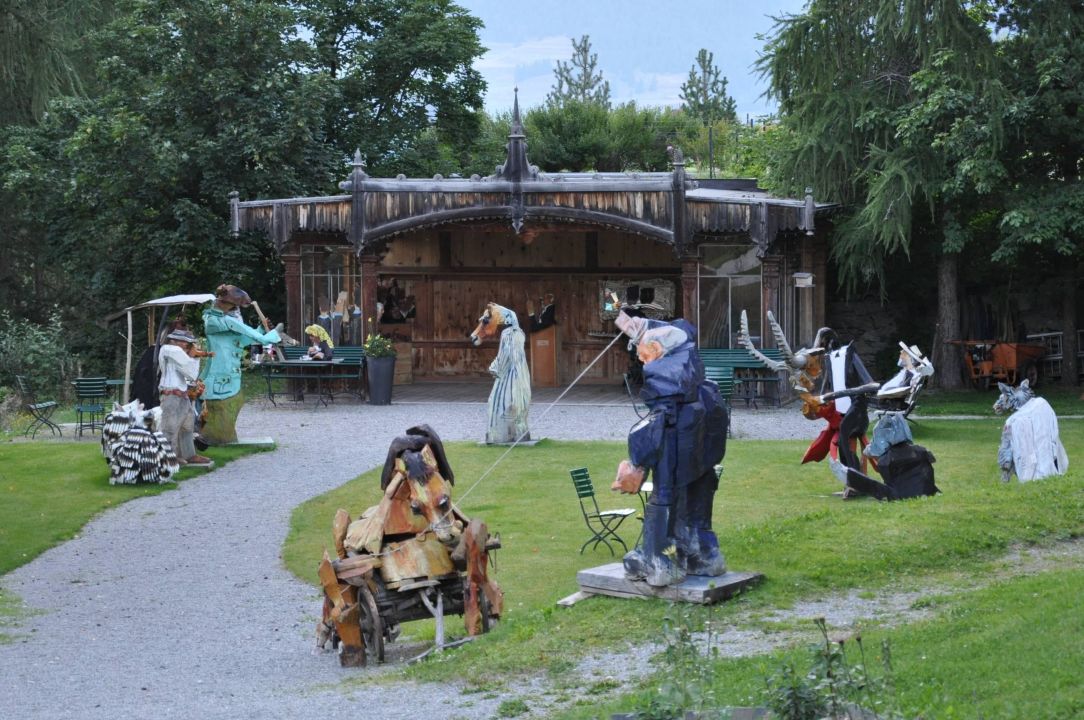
{"type": "Point", "coordinates": [579, 80]}
{"type": "Point", "coordinates": [37, 352]}
{"type": "Point", "coordinates": [377, 345]}
{"type": "Point", "coordinates": [123, 195]}
{"type": "Point", "coordinates": [397, 67]}
{"type": "Point", "coordinates": [685, 670]}
{"type": "Point", "coordinates": [833, 687]}
{"type": "Point", "coordinates": [891, 106]}
{"type": "Point", "coordinates": [585, 136]}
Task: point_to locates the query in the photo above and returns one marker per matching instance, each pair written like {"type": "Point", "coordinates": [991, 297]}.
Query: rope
{"type": "Point", "coordinates": [544, 413]}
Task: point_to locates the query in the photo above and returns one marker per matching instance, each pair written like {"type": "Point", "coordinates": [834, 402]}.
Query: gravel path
{"type": "Point", "coordinates": [178, 605]}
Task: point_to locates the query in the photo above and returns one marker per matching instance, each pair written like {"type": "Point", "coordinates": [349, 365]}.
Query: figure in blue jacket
{"type": "Point", "coordinates": [679, 443]}
{"type": "Point", "coordinates": [228, 337]}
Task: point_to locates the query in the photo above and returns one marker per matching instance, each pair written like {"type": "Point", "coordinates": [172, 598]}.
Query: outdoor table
{"type": "Point", "coordinates": [303, 370]}
{"type": "Point", "coordinates": [116, 386]}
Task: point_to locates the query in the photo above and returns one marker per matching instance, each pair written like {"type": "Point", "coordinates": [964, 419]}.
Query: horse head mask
{"type": "Point", "coordinates": [489, 325]}
{"type": "Point", "coordinates": [425, 483]}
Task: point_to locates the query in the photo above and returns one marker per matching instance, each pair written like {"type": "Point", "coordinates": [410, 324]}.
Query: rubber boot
{"type": "Point", "coordinates": [654, 562]}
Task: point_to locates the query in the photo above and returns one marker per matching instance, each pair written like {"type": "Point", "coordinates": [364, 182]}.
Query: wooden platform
{"type": "Point", "coordinates": [610, 580]}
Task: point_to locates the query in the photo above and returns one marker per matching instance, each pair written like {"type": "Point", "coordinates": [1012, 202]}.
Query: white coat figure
{"type": "Point", "coordinates": [1030, 444]}
{"type": "Point", "coordinates": [510, 398]}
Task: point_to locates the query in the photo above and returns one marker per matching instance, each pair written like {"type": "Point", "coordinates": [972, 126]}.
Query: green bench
{"type": "Point", "coordinates": [348, 373]}
{"type": "Point", "coordinates": [737, 371]}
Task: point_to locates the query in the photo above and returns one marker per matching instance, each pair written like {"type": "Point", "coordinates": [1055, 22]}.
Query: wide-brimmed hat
{"type": "Point", "coordinates": [182, 335]}
{"type": "Point", "coordinates": [233, 294]}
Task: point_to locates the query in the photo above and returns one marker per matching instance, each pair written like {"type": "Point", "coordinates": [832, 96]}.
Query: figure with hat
{"type": "Point", "coordinates": [227, 337]}
{"type": "Point", "coordinates": [178, 382]}
{"type": "Point", "coordinates": [680, 442]}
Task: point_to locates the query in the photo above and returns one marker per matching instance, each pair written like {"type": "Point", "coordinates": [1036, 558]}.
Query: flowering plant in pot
{"type": "Point", "coordinates": [380, 366]}
{"type": "Point", "coordinates": [378, 346]}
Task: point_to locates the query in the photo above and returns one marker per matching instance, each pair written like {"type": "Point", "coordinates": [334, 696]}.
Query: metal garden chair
{"type": "Point", "coordinates": [90, 394]}
{"type": "Point", "coordinates": [603, 524]}
{"type": "Point", "coordinates": [40, 411]}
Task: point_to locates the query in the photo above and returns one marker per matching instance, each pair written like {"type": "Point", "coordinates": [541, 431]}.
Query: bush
{"type": "Point", "coordinates": [38, 352]}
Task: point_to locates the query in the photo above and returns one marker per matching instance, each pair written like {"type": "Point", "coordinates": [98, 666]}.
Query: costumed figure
{"type": "Point", "coordinates": [324, 318]}
{"type": "Point", "coordinates": [227, 337]}
{"type": "Point", "coordinates": [680, 443]}
{"type": "Point", "coordinates": [901, 391]}
{"type": "Point", "coordinates": [178, 387]}
{"type": "Point", "coordinates": [135, 448]}
{"type": "Point", "coordinates": [414, 555]}
{"type": "Point", "coordinates": [1030, 444]}
{"type": "Point", "coordinates": [357, 329]}
{"type": "Point", "coordinates": [510, 398]}
{"type": "Point", "coordinates": [845, 390]}
{"type": "Point", "coordinates": [320, 345]}
{"type": "Point", "coordinates": [339, 317]}
{"type": "Point", "coordinates": [907, 468]}
{"type": "Point", "coordinates": [546, 314]}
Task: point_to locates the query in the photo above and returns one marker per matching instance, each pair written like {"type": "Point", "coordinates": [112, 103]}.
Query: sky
{"type": "Point", "coordinates": [645, 47]}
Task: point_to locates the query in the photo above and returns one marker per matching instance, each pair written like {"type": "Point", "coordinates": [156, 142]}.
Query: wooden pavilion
{"type": "Point", "coordinates": [444, 247]}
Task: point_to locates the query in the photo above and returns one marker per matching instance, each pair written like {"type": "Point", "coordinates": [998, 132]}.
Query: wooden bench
{"type": "Point", "coordinates": [747, 376]}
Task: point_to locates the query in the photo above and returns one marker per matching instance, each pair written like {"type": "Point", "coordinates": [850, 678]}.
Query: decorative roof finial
{"type": "Point", "coordinates": [517, 123]}
{"type": "Point", "coordinates": [516, 167]}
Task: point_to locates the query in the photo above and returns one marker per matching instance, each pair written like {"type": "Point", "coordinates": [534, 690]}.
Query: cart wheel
{"type": "Point", "coordinates": [1031, 374]}
{"type": "Point", "coordinates": [372, 627]}
{"type": "Point", "coordinates": [488, 622]}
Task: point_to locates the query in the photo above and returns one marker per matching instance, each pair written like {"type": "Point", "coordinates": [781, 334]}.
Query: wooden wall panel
{"type": "Point", "coordinates": [622, 250]}
{"type": "Point", "coordinates": [506, 250]}
{"type": "Point", "coordinates": [414, 250]}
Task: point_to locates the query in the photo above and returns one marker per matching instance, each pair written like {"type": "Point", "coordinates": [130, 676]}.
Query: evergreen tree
{"type": "Point", "coordinates": [578, 80]}
{"type": "Point", "coordinates": [704, 96]}
{"type": "Point", "coordinates": [42, 53]}
{"type": "Point", "coordinates": [895, 109]}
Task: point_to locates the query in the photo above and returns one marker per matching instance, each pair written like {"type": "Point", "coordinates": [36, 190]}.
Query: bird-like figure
{"type": "Point", "coordinates": [134, 447]}
{"type": "Point", "coordinates": [802, 367]}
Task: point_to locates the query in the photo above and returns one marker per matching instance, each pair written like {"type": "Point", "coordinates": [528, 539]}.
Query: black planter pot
{"type": "Point", "coordinates": [381, 374]}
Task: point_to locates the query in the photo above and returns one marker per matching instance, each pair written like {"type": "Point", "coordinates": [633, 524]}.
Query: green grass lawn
{"type": "Point", "coordinates": [1065, 401]}
{"type": "Point", "coordinates": [772, 515]}
{"type": "Point", "coordinates": [51, 489]}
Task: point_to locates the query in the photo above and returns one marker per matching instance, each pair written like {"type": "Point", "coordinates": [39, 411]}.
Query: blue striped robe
{"type": "Point", "coordinates": [510, 398]}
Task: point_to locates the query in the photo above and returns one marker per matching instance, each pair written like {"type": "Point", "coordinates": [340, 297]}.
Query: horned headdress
{"type": "Point", "coordinates": [803, 366]}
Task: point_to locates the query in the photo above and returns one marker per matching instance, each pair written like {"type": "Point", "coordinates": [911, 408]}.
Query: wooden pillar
{"type": "Point", "coordinates": [820, 278]}
{"type": "Point", "coordinates": [369, 264]}
{"type": "Point", "coordinates": [772, 269]}
{"type": "Point", "coordinates": [292, 262]}
{"type": "Point", "coordinates": [690, 298]}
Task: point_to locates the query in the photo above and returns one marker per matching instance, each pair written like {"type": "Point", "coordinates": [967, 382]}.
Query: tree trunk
{"type": "Point", "coordinates": [947, 358]}
{"type": "Point", "coordinates": [1069, 349]}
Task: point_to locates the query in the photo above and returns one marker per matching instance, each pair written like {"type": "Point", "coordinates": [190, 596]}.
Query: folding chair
{"type": "Point", "coordinates": [40, 411]}
{"type": "Point", "coordinates": [603, 524]}
{"type": "Point", "coordinates": [90, 394]}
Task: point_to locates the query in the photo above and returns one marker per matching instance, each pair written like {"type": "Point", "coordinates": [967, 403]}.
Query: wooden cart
{"type": "Point", "coordinates": [990, 361]}
{"type": "Point", "coordinates": [413, 556]}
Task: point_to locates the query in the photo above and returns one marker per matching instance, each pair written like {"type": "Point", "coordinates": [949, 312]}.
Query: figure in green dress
{"type": "Point", "coordinates": [227, 337]}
